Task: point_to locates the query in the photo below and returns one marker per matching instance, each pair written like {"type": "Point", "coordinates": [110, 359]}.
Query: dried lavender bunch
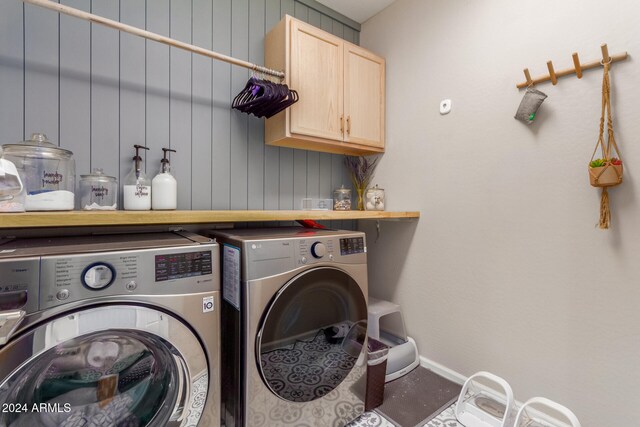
{"type": "Point", "coordinates": [361, 169]}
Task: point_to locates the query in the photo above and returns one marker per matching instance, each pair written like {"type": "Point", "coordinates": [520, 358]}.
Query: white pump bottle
{"type": "Point", "coordinates": [164, 186]}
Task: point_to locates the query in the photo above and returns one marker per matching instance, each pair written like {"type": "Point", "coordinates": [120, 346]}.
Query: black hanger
{"type": "Point", "coordinates": [263, 98]}
{"type": "Point", "coordinates": [249, 92]}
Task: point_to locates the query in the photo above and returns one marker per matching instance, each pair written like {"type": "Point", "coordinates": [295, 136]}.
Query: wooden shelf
{"type": "Point", "coordinates": [115, 218]}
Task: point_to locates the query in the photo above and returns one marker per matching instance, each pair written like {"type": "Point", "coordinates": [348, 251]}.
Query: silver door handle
{"type": "Point", "coordinates": [9, 322]}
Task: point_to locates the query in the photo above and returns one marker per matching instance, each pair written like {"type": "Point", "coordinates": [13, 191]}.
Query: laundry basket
{"type": "Point", "coordinates": [480, 405]}
{"type": "Point", "coordinates": [376, 370]}
{"type": "Point", "coordinates": [535, 413]}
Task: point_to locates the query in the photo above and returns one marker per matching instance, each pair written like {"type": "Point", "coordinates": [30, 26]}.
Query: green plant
{"type": "Point", "coordinates": [597, 163]}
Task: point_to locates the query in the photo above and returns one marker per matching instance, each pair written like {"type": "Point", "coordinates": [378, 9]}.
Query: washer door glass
{"type": "Point", "coordinates": [312, 334]}
{"type": "Point", "coordinates": [104, 366]}
{"type": "Point", "coordinates": [104, 379]}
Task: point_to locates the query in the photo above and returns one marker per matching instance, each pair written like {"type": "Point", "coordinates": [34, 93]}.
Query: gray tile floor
{"type": "Point", "coordinates": [372, 419]}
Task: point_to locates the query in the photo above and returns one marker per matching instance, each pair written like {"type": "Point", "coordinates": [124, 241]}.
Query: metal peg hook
{"type": "Point", "coordinates": [377, 230]}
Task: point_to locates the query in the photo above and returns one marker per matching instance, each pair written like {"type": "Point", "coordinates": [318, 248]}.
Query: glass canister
{"type": "Point", "coordinates": [11, 188]}
{"type": "Point", "coordinates": [342, 199]}
{"type": "Point", "coordinates": [374, 199]}
{"type": "Point", "coordinates": [98, 192]}
{"type": "Point", "coordinates": [49, 173]}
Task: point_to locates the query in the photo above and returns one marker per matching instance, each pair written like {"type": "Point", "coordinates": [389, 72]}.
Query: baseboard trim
{"type": "Point", "coordinates": [442, 370]}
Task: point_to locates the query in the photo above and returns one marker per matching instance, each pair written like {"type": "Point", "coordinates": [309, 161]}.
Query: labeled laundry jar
{"type": "Point", "coordinates": [98, 192]}
{"type": "Point", "coordinates": [48, 173]}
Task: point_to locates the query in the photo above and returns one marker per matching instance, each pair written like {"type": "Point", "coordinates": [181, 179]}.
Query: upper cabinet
{"type": "Point", "coordinates": [316, 73]}
{"type": "Point", "coordinates": [341, 88]}
{"type": "Point", "coordinates": [363, 96]}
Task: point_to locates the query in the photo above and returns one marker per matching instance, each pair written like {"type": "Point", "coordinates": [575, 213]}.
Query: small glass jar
{"type": "Point", "coordinates": [98, 192]}
{"type": "Point", "coordinates": [374, 199]}
{"type": "Point", "coordinates": [342, 199]}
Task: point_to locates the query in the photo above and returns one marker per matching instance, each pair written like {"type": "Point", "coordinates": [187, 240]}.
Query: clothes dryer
{"type": "Point", "coordinates": [294, 326]}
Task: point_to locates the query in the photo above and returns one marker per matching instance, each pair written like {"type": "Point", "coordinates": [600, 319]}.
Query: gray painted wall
{"type": "Point", "coordinates": [97, 92]}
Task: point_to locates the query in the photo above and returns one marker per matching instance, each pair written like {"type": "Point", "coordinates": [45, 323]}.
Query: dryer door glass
{"type": "Point", "coordinates": [312, 334]}
{"type": "Point", "coordinates": [109, 377]}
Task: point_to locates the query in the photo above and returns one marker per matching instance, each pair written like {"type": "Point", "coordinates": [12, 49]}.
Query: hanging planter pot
{"type": "Point", "coordinates": [605, 171]}
{"type": "Point", "coordinates": [605, 174]}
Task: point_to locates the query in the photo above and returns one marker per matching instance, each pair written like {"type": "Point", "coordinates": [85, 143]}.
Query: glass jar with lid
{"type": "Point", "coordinates": [48, 172]}
{"type": "Point", "coordinates": [342, 199]}
{"type": "Point", "coordinates": [374, 199]}
{"type": "Point", "coordinates": [11, 188]}
{"type": "Point", "coordinates": [98, 192]}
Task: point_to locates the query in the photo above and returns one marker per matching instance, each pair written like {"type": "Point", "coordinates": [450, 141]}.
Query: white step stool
{"type": "Point", "coordinates": [481, 406]}
{"type": "Point", "coordinates": [387, 326]}
{"type": "Point", "coordinates": [535, 413]}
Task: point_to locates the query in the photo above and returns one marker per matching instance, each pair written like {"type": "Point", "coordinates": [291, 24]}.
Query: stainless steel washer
{"type": "Point", "coordinates": [110, 330]}
{"type": "Point", "coordinates": [294, 325]}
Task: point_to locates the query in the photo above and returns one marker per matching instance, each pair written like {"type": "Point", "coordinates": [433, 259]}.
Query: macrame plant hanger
{"type": "Point", "coordinates": [606, 171]}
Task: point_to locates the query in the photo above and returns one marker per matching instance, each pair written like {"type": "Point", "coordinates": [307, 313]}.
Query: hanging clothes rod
{"type": "Point", "coordinates": [60, 8]}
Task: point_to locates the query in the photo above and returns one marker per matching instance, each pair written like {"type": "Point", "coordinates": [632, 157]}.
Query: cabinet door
{"type": "Point", "coordinates": [317, 74]}
{"type": "Point", "coordinates": [364, 80]}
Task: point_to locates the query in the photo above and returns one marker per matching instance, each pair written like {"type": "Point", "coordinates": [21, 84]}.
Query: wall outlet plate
{"type": "Point", "coordinates": [445, 106]}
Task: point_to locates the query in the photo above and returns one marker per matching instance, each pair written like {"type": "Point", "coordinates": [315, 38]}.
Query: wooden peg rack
{"type": "Point", "coordinates": [577, 69]}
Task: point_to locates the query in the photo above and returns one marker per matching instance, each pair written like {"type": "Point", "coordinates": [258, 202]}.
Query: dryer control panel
{"type": "Point", "coordinates": [348, 250]}
{"type": "Point", "coordinates": [309, 251]}
{"type": "Point", "coordinates": [352, 245]}
{"type": "Point", "coordinates": [272, 251]}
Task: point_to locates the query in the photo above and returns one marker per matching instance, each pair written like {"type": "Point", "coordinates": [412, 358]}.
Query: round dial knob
{"type": "Point", "coordinates": [318, 250]}
{"type": "Point", "coordinates": [98, 276]}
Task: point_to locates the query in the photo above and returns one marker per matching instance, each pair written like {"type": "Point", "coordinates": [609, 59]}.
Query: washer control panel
{"type": "Point", "coordinates": [165, 271]}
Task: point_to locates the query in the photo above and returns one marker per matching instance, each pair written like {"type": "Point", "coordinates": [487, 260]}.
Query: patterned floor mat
{"type": "Point", "coordinates": [446, 418]}
{"type": "Point", "coordinates": [324, 366]}
{"type": "Point", "coordinates": [371, 419]}
{"type": "Point", "coordinates": [306, 370]}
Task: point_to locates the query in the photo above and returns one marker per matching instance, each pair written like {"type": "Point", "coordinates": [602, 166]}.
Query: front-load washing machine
{"type": "Point", "coordinates": [119, 330]}
{"type": "Point", "coordinates": [294, 315]}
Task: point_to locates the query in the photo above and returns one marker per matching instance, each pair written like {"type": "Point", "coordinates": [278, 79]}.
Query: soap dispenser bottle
{"type": "Point", "coordinates": [137, 188]}
{"type": "Point", "coordinates": [165, 186]}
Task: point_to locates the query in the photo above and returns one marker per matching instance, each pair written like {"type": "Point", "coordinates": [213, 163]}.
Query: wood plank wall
{"type": "Point", "coordinates": [97, 92]}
